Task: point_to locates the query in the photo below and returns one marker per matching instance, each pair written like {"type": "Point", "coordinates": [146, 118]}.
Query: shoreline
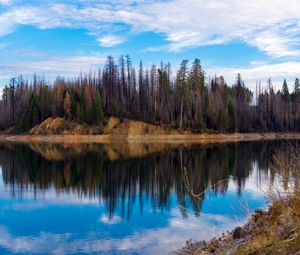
{"type": "Point", "coordinates": [271, 230]}
{"type": "Point", "coordinates": [172, 138]}
{"type": "Point", "coordinates": [229, 242]}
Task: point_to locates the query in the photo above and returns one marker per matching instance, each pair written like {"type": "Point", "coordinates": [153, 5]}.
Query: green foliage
{"type": "Point", "coordinates": [67, 106]}
{"type": "Point", "coordinates": [44, 102]}
{"type": "Point", "coordinates": [222, 121]}
{"type": "Point", "coordinates": [23, 122]}
{"type": "Point", "coordinates": [29, 116]}
{"type": "Point", "coordinates": [33, 111]}
{"type": "Point", "coordinates": [79, 113]}
{"type": "Point", "coordinates": [285, 91]}
{"type": "Point", "coordinates": [61, 128]}
{"type": "Point", "coordinates": [98, 111]}
{"type": "Point", "coordinates": [297, 86]}
{"type": "Point", "coordinates": [232, 118]}
{"type": "Point", "coordinates": [200, 124]}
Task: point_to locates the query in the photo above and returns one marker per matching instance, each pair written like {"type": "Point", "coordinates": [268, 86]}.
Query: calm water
{"type": "Point", "coordinates": [123, 199]}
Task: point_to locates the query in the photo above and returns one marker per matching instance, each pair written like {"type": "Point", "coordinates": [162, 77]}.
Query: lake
{"type": "Point", "coordinates": [127, 198]}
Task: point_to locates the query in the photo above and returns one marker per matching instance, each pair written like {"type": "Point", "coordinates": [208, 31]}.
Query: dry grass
{"type": "Point", "coordinates": [128, 127]}
{"type": "Point", "coordinates": [59, 126]}
{"type": "Point", "coordinates": [277, 231]}
{"type": "Point", "coordinates": [57, 130]}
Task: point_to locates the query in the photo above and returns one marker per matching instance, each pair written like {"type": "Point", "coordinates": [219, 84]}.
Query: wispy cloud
{"type": "Point", "coordinates": [110, 40]}
{"type": "Point", "coordinates": [276, 43]}
{"type": "Point", "coordinates": [5, 2]}
{"type": "Point", "coordinates": [52, 66]}
{"type": "Point", "coordinates": [150, 241]}
{"type": "Point", "coordinates": [273, 27]}
{"type": "Point", "coordinates": [185, 23]}
{"type": "Point", "coordinates": [259, 71]}
{"type": "Point", "coordinates": [110, 221]}
{"type": "Point", "coordinates": [3, 46]}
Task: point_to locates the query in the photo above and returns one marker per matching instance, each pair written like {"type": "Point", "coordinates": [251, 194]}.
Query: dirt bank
{"type": "Point", "coordinates": [176, 138]}
{"type": "Point", "coordinates": [274, 231]}
{"type": "Point", "coordinates": [58, 130]}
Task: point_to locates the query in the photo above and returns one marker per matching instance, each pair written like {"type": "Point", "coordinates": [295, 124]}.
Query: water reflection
{"type": "Point", "coordinates": [113, 194]}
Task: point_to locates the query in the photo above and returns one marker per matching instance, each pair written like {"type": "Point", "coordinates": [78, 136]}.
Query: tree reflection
{"type": "Point", "coordinates": [89, 171]}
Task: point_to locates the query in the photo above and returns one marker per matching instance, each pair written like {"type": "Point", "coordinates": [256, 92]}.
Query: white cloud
{"type": "Point", "coordinates": [271, 26]}
{"type": "Point", "coordinates": [276, 44]}
{"type": "Point", "coordinates": [52, 66]}
{"type": "Point", "coordinates": [277, 72]}
{"type": "Point", "coordinates": [150, 241]}
{"type": "Point", "coordinates": [110, 221]}
{"type": "Point", "coordinates": [110, 40]}
{"type": "Point", "coordinates": [5, 2]}
{"type": "Point", "coordinates": [198, 22]}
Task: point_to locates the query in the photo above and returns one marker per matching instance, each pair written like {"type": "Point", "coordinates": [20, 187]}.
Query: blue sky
{"type": "Point", "coordinates": [259, 39]}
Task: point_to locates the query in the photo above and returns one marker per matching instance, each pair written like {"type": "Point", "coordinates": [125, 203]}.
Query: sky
{"type": "Point", "coordinates": [259, 38]}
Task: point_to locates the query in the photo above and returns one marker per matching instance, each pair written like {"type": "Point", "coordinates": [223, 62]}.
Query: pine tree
{"type": "Point", "coordinates": [182, 79]}
{"type": "Point", "coordinates": [232, 117]}
{"type": "Point", "coordinates": [78, 112]}
{"type": "Point", "coordinates": [87, 104]}
{"type": "Point", "coordinates": [98, 112]}
{"type": "Point", "coordinates": [285, 91]}
{"type": "Point", "coordinates": [33, 111]}
{"type": "Point", "coordinates": [45, 104]}
{"type": "Point", "coordinates": [297, 86]}
{"type": "Point", "coordinates": [67, 106]}
{"type": "Point", "coordinates": [197, 85]}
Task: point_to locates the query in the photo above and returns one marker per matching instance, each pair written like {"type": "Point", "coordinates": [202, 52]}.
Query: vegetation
{"type": "Point", "coordinates": [275, 231]}
{"type": "Point", "coordinates": [278, 231]}
{"type": "Point", "coordinates": [186, 100]}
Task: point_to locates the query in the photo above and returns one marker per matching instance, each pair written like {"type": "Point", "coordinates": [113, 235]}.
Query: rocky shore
{"type": "Point", "coordinates": [275, 231]}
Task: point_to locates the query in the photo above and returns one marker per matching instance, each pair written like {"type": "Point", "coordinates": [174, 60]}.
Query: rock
{"type": "Point", "coordinates": [200, 252]}
{"type": "Point", "coordinates": [189, 243]}
{"type": "Point", "coordinates": [213, 245]}
{"type": "Point", "coordinates": [238, 233]}
{"type": "Point", "coordinates": [201, 245]}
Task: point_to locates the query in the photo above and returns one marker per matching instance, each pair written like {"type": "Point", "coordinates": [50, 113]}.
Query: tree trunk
{"type": "Point", "coordinates": [181, 113]}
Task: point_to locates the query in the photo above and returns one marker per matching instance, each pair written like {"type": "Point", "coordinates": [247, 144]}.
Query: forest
{"type": "Point", "coordinates": [182, 99]}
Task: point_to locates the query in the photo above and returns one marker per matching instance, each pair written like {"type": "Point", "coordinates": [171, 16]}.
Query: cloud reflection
{"type": "Point", "coordinates": [150, 241]}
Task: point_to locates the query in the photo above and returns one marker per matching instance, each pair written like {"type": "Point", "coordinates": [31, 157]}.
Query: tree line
{"type": "Point", "coordinates": [184, 99]}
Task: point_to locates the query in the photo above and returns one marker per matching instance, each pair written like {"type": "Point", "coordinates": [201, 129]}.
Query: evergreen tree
{"type": "Point", "coordinates": [98, 112]}
{"type": "Point", "coordinates": [297, 86]}
{"type": "Point", "coordinates": [182, 80]}
{"type": "Point", "coordinates": [33, 109]}
{"type": "Point", "coordinates": [285, 91]}
{"type": "Point", "coordinates": [79, 112]}
{"type": "Point", "coordinates": [87, 105]}
{"type": "Point", "coordinates": [67, 106]}
{"type": "Point", "coordinates": [232, 117]}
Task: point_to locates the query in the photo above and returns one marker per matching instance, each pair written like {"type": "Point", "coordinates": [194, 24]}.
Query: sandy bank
{"type": "Point", "coordinates": [165, 138]}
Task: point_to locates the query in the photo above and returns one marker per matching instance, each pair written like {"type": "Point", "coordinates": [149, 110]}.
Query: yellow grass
{"type": "Point", "coordinates": [58, 130]}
